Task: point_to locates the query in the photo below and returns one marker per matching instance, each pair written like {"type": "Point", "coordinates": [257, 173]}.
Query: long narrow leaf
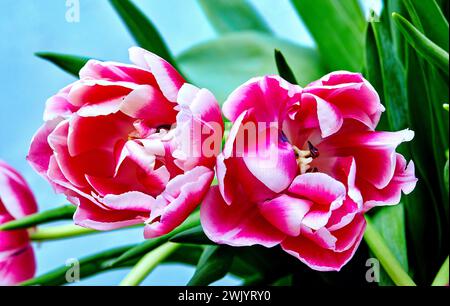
{"type": "Point", "coordinates": [142, 29]}
{"type": "Point", "coordinates": [61, 213]}
{"type": "Point", "coordinates": [429, 50]}
{"type": "Point", "coordinates": [147, 246]}
{"type": "Point", "coordinates": [69, 63]}
{"type": "Point", "coordinates": [233, 16]}
{"type": "Point", "coordinates": [89, 266]}
{"type": "Point", "coordinates": [283, 67]}
{"type": "Point", "coordinates": [338, 28]}
{"type": "Point", "coordinates": [213, 265]}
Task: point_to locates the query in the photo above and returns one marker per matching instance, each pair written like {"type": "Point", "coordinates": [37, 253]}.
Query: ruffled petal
{"type": "Point", "coordinates": [238, 224]}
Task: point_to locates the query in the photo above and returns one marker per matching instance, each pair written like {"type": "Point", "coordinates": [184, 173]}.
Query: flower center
{"type": "Point", "coordinates": [305, 157]}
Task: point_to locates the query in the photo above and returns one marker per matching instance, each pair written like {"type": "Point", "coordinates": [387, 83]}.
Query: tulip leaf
{"type": "Point", "coordinates": [193, 235]}
{"type": "Point", "coordinates": [338, 29]}
{"type": "Point", "coordinates": [89, 266]}
{"type": "Point", "coordinates": [212, 266]}
{"type": "Point", "coordinates": [145, 247]}
{"type": "Point", "coordinates": [60, 213]}
{"type": "Point", "coordinates": [283, 68]}
{"type": "Point", "coordinates": [428, 49]}
{"type": "Point", "coordinates": [430, 20]}
{"type": "Point", "coordinates": [233, 16]}
{"type": "Point", "coordinates": [390, 223]}
{"type": "Point", "coordinates": [446, 174]}
{"type": "Point", "coordinates": [69, 63]}
{"type": "Point", "coordinates": [235, 58]}
{"type": "Point", "coordinates": [392, 73]}
{"type": "Point", "coordinates": [142, 29]}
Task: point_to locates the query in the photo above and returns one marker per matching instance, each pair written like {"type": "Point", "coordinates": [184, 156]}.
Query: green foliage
{"type": "Point", "coordinates": [70, 63]}
{"type": "Point", "coordinates": [212, 266]}
{"type": "Point", "coordinates": [60, 213]}
{"type": "Point", "coordinates": [142, 29]}
{"type": "Point", "coordinates": [283, 68]}
{"type": "Point", "coordinates": [338, 28]}
{"type": "Point", "coordinates": [404, 54]}
{"type": "Point", "coordinates": [233, 16]}
{"type": "Point", "coordinates": [235, 58]}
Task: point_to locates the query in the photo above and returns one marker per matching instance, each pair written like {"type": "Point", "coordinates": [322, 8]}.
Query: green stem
{"type": "Point", "coordinates": [148, 263]}
{"type": "Point", "coordinates": [63, 231]}
{"type": "Point", "coordinates": [60, 232]}
{"type": "Point", "coordinates": [442, 278]}
{"type": "Point", "coordinates": [390, 264]}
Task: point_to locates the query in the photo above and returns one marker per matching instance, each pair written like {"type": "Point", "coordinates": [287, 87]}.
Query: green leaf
{"type": "Point", "coordinates": [193, 235]}
{"type": "Point", "coordinates": [89, 266]}
{"type": "Point", "coordinates": [429, 50]}
{"type": "Point", "coordinates": [338, 28]}
{"type": "Point", "coordinates": [69, 63]}
{"type": "Point", "coordinates": [148, 245]}
{"type": "Point", "coordinates": [446, 174]}
{"type": "Point", "coordinates": [393, 75]}
{"type": "Point", "coordinates": [423, 207]}
{"type": "Point", "coordinates": [233, 16]}
{"type": "Point", "coordinates": [384, 254]}
{"type": "Point", "coordinates": [235, 58]}
{"type": "Point", "coordinates": [390, 223]}
{"type": "Point", "coordinates": [142, 29]}
{"type": "Point", "coordinates": [213, 265]}
{"type": "Point", "coordinates": [61, 213]}
{"type": "Point", "coordinates": [283, 68]}
{"type": "Point", "coordinates": [431, 21]}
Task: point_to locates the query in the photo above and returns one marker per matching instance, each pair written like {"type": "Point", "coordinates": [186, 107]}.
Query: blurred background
{"type": "Point", "coordinates": [29, 26]}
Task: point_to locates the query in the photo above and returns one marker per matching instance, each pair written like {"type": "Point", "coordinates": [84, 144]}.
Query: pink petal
{"type": "Point", "coordinates": [351, 94]}
{"type": "Point", "coordinates": [199, 131]}
{"type": "Point", "coordinates": [325, 259]}
{"type": "Point", "coordinates": [15, 194]}
{"type": "Point", "coordinates": [183, 194]}
{"type": "Point", "coordinates": [374, 152]}
{"type": "Point", "coordinates": [238, 224]}
{"type": "Point", "coordinates": [89, 91]}
{"type": "Point", "coordinates": [92, 216]}
{"type": "Point", "coordinates": [40, 151]}
{"type": "Point", "coordinates": [112, 71]}
{"type": "Point", "coordinates": [168, 79]}
{"type": "Point", "coordinates": [18, 267]}
{"type": "Point", "coordinates": [272, 162]}
{"type": "Point", "coordinates": [404, 180]}
{"type": "Point", "coordinates": [270, 97]}
{"type": "Point", "coordinates": [147, 103]}
{"type": "Point", "coordinates": [97, 133]}
{"type": "Point", "coordinates": [286, 213]}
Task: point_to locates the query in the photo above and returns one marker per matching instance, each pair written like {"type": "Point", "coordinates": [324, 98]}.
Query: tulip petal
{"type": "Point", "coordinates": [168, 79]}
{"type": "Point", "coordinates": [182, 195]}
{"type": "Point", "coordinates": [286, 213]}
{"type": "Point", "coordinates": [238, 224]}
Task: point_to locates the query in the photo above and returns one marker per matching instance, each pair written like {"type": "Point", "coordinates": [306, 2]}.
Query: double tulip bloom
{"type": "Point", "coordinates": [17, 262]}
{"type": "Point", "coordinates": [317, 167]}
{"type": "Point", "coordinates": [125, 144]}
{"type": "Point", "coordinates": [132, 144]}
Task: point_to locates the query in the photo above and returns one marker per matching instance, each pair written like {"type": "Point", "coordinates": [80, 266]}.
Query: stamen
{"type": "Point", "coordinates": [314, 151]}
{"type": "Point", "coordinates": [305, 157]}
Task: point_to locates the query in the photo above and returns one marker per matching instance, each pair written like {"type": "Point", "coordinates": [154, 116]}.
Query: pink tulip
{"type": "Point", "coordinates": [125, 144]}
{"type": "Point", "coordinates": [17, 262]}
{"type": "Point", "coordinates": [313, 168]}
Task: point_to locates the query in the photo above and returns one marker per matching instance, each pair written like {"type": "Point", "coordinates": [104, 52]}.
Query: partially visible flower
{"type": "Point", "coordinates": [17, 262]}
{"type": "Point", "coordinates": [314, 168]}
{"type": "Point", "coordinates": [130, 144]}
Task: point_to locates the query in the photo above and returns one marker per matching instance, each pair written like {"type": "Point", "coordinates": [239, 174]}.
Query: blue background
{"type": "Point", "coordinates": [28, 26]}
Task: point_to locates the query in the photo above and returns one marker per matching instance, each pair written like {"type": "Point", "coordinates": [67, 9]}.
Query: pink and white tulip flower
{"type": "Point", "coordinates": [125, 144]}
{"type": "Point", "coordinates": [17, 262]}
{"type": "Point", "coordinates": [306, 173]}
